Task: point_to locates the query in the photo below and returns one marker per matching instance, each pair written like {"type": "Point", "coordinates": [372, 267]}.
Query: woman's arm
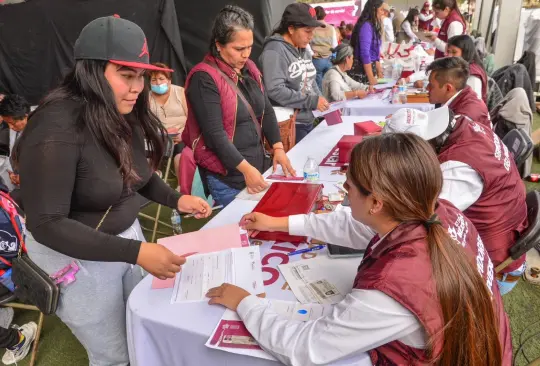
{"type": "Point", "coordinates": [158, 191]}
{"type": "Point", "coordinates": [476, 85]}
{"type": "Point", "coordinates": [270, 126]}
{"type": "Point", "coordinates": [406, 26]}
{"type": "Point", "coordinates": [425, 18]}
{"type": "Point", "coordinates": [353, 84]}
{"type": "Point", "coordinates": [205, 101]}
{"type": "Point", "coordinates": [365, 319]}
{"type": "Point", "coordinates": [454, 29]}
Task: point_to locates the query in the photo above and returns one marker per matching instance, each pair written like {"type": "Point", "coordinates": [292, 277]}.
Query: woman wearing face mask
{"type": "Point", "coordinates": [168, 102]}
{"type": "Point", "coordinates": [424, 292]}
{"type": "Point", "coordinates": [463, 46]}
{"type": "Point", "coordinates": [82, 160]}
{"type": "Point", "coordinates": [453, 24]}
{"type": "Point", "coordinates": [289, 73]}
{"type": "Point", "coordinates": [226, 127]}
{"type": "Point", "coordinates": [366, 42]}
{"type": "Point", "coordinates": [337, 85]}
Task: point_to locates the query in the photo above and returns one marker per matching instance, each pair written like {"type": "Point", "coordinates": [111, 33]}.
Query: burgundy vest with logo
{"type": "Point", "coordinates": [443, 33]}
{"type": "Point", "coordinates": [400, 266]}
{"type": "Point", "coordinates": [192, 136]}
{"type": "Point", "coordinates": [500, 214]}
{"type": "Point", "coordinates": [425, 25]}
{"type": "Point", "coordinates": [478, 71]}
{"type": "Point", "coordinates": [468, 104]}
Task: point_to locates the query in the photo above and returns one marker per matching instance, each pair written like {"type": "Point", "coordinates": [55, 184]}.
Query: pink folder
{"type": "Point", "coordinates": [202, 241]}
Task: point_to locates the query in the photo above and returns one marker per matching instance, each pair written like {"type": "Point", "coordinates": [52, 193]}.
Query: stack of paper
{"type": "Point", "coordinates": [202, 241]}
{"type": "Point", "coordinates": [231, 335]}
{"type": "Point", "coordinates": [322, 279]}
{"type": "Point", "coordinates": [201, 272]}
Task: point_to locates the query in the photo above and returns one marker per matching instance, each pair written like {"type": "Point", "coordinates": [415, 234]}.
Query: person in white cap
{"type": "Point", "coordinates": [480, 178]}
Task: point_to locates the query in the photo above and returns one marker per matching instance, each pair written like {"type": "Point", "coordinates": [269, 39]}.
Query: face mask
{"type": "Point", "coordinates": [160, 89]}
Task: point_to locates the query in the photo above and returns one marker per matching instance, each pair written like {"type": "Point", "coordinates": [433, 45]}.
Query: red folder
{"type": "Point", "coordinates": [345, 145]}
{"type": "Point", "coordinates": [286, 199]}
{"type": "Point", "coordinates": [367, 128]}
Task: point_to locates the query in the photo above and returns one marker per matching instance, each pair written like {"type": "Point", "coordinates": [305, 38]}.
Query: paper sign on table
{"type": "Point", "coordinates": [232, 336]}
{"type": "Point", "coordinates": [322, 279]}
{"type": "Point", "coordinates": [201, 272]}
{"type": "Point", "coordinates": [202, 241]}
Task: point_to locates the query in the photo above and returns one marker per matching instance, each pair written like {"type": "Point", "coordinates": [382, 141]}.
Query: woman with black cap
{"type": "Point", "coordinates": [82, 161]}
{"type": "Point", "coordinates": [337, 85]}
{"type": "Point", "coordinates": [289, 73]}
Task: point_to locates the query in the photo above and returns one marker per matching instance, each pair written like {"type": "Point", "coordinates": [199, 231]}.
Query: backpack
{"type": "Point", "coordinates": [12, 236]}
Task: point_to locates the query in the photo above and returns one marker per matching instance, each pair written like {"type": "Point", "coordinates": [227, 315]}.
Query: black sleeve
{"type": "Point", "coordinates": [48, 172]}
{"type": "Point", "coordinates": [270, 123]}
{"type": "Point", "coordinates": [205, 101]}
{"type": "Point", "coordinates": [156, 190]}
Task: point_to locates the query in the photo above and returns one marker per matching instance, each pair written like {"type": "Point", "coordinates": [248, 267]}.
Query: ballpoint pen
{"type": "Point", "coordinates": [301, 251]}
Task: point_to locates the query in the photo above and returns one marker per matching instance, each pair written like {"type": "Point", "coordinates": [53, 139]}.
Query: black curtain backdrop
{"type": "Point", "coordinates": [196, 18]}
{"type": "Point", "coordinates": [37, 38]}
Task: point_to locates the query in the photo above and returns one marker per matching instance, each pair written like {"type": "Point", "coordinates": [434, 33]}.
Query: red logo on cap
{"type": "Point", "coordinates": [312, 12]}
{"type": "Point", "coordinates": [144, 50]}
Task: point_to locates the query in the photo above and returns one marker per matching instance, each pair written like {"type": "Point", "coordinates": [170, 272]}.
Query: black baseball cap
{"type": "Point", "coordinates": [301, 13]}
{"type": "Point", "coordinates": [116, 40]}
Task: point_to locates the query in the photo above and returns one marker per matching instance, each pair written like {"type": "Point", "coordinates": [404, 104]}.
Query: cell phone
{"type": "Point", "coordinates": [336, 251]}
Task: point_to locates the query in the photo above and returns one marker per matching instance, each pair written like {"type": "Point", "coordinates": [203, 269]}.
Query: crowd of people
{"type": "Point", "coordinates": [426, 290]}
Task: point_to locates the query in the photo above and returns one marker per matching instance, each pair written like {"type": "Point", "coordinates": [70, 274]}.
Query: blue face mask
{"type": "Point", "coordinates": [160, 89]}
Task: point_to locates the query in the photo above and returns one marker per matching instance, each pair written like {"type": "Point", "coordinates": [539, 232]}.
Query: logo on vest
{"type": "Point", "coordinates": [499, 152]}
{"type": "Point", "coordinates": [459, 231]}
{"type": "Point", "coordinates": [480, 258]}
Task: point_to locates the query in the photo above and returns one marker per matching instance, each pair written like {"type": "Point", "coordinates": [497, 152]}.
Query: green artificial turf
{"type": "Point", "coordinates": [58, 346]}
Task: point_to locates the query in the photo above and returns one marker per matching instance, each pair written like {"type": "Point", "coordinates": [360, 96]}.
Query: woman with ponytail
{"type": "Point", "coordinates": [454, 24]}
{"type": "Point", "coordinates": [425, 291]}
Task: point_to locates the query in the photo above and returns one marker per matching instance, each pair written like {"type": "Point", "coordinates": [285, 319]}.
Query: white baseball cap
{"type": "Point", "coordinates": [427, 125]}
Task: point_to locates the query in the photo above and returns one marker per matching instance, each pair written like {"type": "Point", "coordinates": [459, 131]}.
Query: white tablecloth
{"type": "Point", "coordinates": [374, 106]}
{"type": "Point", "coordinates": [162, 334]}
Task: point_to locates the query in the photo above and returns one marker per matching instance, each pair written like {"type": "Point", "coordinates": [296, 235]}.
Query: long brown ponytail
{"type": "Point", "coordinates": [402, 171]}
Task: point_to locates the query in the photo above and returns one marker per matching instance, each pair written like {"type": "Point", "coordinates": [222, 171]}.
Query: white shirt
{"type": "Point", "coordinates": [454, 29]}
{"type": "Point", "coordinates": [364, 320]}
{"type": "Point", "coordinates": [389, 30]}
{"type": "Point", "coordinates": [476, 84]}
{"type": "Point", "coordinates": [424, 17]}
{"type": "Point", "coordinates": [406, 26]}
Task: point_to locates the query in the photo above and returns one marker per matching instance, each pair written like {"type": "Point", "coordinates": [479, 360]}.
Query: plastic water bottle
{"type": "Point", "coordinates": [311, 171]}
{"type": "Point", "coordinates": [395, 96]}
{"type": "Point", "coordinates": [403, 94]}
{"type": "Point", "coordinates": [176, 222]}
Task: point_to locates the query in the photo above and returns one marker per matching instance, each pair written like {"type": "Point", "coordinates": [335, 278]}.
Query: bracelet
{"type": "Point", "coordinates": [279, 148]}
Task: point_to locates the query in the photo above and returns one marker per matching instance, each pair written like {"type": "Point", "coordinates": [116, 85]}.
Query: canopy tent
{"type": "Point", "coordinates": [37, 37]}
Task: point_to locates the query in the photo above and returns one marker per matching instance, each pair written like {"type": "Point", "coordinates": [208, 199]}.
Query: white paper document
{"type": "Point", "coordinates": [333, 107]}
{"type": "Point", "coordinates": [322, 279]}
{"type": "Point", "coordinates": [201, 272]}
{"type": "Point", "coordinates": [231, 335]}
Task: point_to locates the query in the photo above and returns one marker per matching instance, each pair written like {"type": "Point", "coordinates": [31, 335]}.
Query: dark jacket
{"type": "Point", "coordinates": [515, 76]}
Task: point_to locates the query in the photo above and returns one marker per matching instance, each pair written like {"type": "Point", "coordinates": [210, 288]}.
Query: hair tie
{"type": "Point", "coordinates": [434, 219]}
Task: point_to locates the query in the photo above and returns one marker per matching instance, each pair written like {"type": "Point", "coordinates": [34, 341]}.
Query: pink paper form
{"type": "Point", "coordinates": [202, 241]}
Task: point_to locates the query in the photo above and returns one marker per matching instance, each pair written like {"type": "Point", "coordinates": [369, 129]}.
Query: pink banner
{"type": "Point", "coordinates": [335, 14]}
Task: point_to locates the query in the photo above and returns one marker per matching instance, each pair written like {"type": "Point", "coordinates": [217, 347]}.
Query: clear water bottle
{"type": "Point", "coordinates": [176, 222]}
{"type": "Point", "coordinates": [403, 94]}
{"type": "Point", "coordinates": [395, 96]}
{"type": "Point", "coordinates": [311, 171]}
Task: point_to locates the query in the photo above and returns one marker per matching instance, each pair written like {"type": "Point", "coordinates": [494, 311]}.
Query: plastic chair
{"type": "Point", "coordinates": [145, 202]}
{"type": "Point", "coordinates": [531, 237]}
{"type": "Point", "coordinates": [7, 300]}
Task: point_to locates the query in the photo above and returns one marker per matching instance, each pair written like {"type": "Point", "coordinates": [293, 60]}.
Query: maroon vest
{"type": "Point", "coordinates": [400, 266]}
{"type": "Point", "coordinates": [192, 136]}
{"type": "Point", "coordinates": [425, 25]}
{"type": "Point", "coordinates": [443, 33]}
{"type": "Point", "coordinates": [468, 104]}
{"type": "Point", "coordinates": [500, 214]}
{"type": "Point", "coordinates": [478, 71]}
